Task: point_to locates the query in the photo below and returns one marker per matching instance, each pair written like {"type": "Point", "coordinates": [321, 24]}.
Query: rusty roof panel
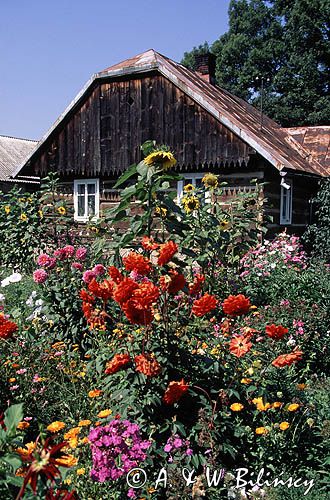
{"type": "Point", "coordinates": [315, 141]}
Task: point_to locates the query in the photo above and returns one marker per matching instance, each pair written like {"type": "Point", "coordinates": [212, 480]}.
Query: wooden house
{"type": "Point", "coordinates": [152, 97]}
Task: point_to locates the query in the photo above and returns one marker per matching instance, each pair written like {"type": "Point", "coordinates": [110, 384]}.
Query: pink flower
{"type": "Point", "coordinates": [40, 276]}
{"type": "Point", "coordinates": [43, 260]}
{"type": "Point", "coordinates": [99, 270]}
{"type": "Point", "coordinates": [69, 251]}
{"type": "Point", "coordinates": [81, 253]}
{"type": "Point", "coordinates": [21, 371]}
{"type": "Point", "coordinates": [51, 262]}
{"type": "Point", "coordinates": [88, 276]}
{"type": "Point", "coordinates": [60, 254]}
{"type": "Point", "coordinates": [77, 265]}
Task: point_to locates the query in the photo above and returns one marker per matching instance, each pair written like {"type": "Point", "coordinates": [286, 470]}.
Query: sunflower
{"type": "Point", "coordinates": [165, 159]}
{"type": "Point", "coordinates": [210, 181]}
{"type": "Point", "coordinates": [224, 225]}
{"type": "Point", "coordinates": [188, 188]}
{"type": "Point", "coordinates": [23, 217]}
{"type": "Point", "coordinates": [190, 203]}
{"type": "Point", "coordinates": [61, 210]}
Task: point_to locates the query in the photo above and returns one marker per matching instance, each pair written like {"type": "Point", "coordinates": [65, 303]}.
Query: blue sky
{"type": "Point", "coordinates": [49, 49]}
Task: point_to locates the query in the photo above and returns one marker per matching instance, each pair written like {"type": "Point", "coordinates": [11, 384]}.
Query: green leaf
{"type": "Point", "coordinates": [126, 175]}
{"type": "Point", "coordinates": [13, 415]}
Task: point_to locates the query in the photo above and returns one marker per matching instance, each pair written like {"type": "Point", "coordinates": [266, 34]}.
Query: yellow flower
{"type": "Point", "coordinates": [188, 188]}
{"type": "Point", "coordinates": [104, 413]}
{"type": "Point", "coordinates": [68, 480]}
{"type": "Point", "coordinates": [210, 181]}
{"type": "Point", "coordinates": [11, 380]}
{"type": "Point", "coordinates": [23, 217]}
{"type": "Point", "coordinates": [246, 381]}
{"type": "Point", "coordinates": [41, 214]}
{"type": "Point", "coordinates": [58, 346]}
{"type": "Point", "coordinates": [95, 393]}
{"type": "Point", "coordinates": [161, 211]}
{"type": "Point", "coordinates": [84, 440]}
{"type": "Point", "coordinates": [84, 423]}
{"type": "Point", "coordinates": [277, 404]}
{"type": "Point", "coordinates": [224, 225]}
{"type": "Point", "coordinates": [301, 387]}
{"type": "Point", "coordinates": [190, 203]}
{"type": "Point", "coordinates": [81, 472]}
{"type": "Point", "coordinates": [7, 209]}
{"type": "Point", "coordinates": [165, 159]}
{"type": "Point", "coordinates": [67, 461]}
{"type": "Point", "coordinates": [23, 425]}
{"type": "Point", "coordinates": [29, 448]}
{"type": "Point", "coordinates": [236, 407]}
{"type": "Point", "coordinates": [260, 404]}
{"type": "Point", "coordinates": [55, 426]}
{"type": "Point", "coordinates": [284, 426]}
{"type": "Point", "coordinates": [61, 210]}
{"type": "Point", "coordinates": [293, 407]}
{"type": "Point", "coordinates": [71, 433]}
{"type": "Point", "coordinates": [261, 430]}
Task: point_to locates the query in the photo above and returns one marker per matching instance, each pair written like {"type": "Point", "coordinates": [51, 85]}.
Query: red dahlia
{"type": "Point", "coordinates": [173, 282]}
{"type": "Point", "coordinates": [166, 252]}
{"type": "Point", "coordinates": [138, 263]}
{"type": "Point", "coordinates": [146, 294]}
{"type": "Point", "coordinates": [118, 362]}
{"type": "Point", "coordinates": [147, 364]}
{"type": "Point", "coordinates": [115, 274]}
{"type": "Point", "coordinates": [276, 332]}
{"type": "Point", "coordinates": [287, 359]}
{"type": "Point", "coordinates": [136, 313]}
{"type": "Point", "coordinates": [149, 244]}
{"type": "Point", "coordinates": [204, 305]}
{"type": "Point", "coordinates": [236, 305]}
{"type": "Point", "coordinates": [123, 291]}
{"type": "Point", "coordinates": [102, 290]}
{"type": "Point", "coordinates": [196, 286]}
{"type": "Point", "coordinates": [7, 328]}
{"type": "Point", "coordinates": [175, 391]}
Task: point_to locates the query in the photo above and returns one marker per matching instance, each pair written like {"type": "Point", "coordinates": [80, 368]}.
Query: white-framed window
{"type": "Point", "coordinates": [286, 202]}
{"type": "Point", "coordinates": [86, 196]}
{"type": "Point", "coordinates": [194, 178]}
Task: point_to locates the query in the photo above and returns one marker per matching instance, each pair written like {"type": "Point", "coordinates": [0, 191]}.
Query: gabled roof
{"type": "Point", "coordinates": [272, 142]}
{"type": "Point", "coordinates": [13, 152]}
{"type": "Point", "coordinates": [313, 142]}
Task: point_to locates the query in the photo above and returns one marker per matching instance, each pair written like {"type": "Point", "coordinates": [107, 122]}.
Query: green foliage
{"type": "Point", "coordinates": [285, 42]}
{"type": "Point", "coordinates": [9, 440]}
{"type": "Point", "coordinates": [317, 236]}
{"type": "Point", "coordinates": [188, 59]}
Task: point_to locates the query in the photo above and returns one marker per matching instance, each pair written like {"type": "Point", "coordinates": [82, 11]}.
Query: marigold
{"type": "Point", "coordinates": [293, 407]}
{"type": "Point", "coordinates": [147, 364]}
{"type": "Point", "coordinates": [84, 423]}
{"type": "Point", "coordinates": [118, 362]}
{"type": "Point", "coordinates": [165, 159]}
{"type": "Point", "coordinates": [236, 305]}
{"type": "Point", "coordinates": [149, 244]}
{"type": "Point", "coordinates": [204, 305]}
{"type": "Point", "coordinates": [261, 406]}
{"type": "Point", "coordinates": [123, 291]}
{"type": "Point", "coordinates": [27, 451]}
{"type": "Point", "coordinates": [287, 359]}
{"type": "Point", "coordinates": [175, 391]}
{"type": "Point", "coordinates": [95, 393]}
{"type": "Point", "coordinates": [173, 282]}
{"type": "Point", "coordinates": [23, 425]}
{"type": "Point", "coordinates": [240, 345]}
{"type": "Point", "coordinates": [284, 426]}
{"type": "Point", "coordinates": [55, 426]}
{"type": "Point", "coordinates": [138, 263]}
{"type": "Point", "coordinates": [276, 332]}
{"type": "Point", "coordinates": [261, 430]}
{"type": "Point", "coordinates": [104, 413]}
{"type": "Point", "coordinates": [236, 407]}
{"type": "Point", "coordinates": [166, 252]}
{"type": "Point", "coordinates": [277, 404]}
{"type": "Point", "coordinates": [67, 461]}
{"type": "Point", "coordinates": [71, 433]}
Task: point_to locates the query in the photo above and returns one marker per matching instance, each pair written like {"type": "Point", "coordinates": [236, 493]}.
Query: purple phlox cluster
{"type": "Point", "coordinates": [175, 444]}
{"type": "Point", "coordinates": [116, 448]}
{"type": "Point", "coordinates": [284, 250]}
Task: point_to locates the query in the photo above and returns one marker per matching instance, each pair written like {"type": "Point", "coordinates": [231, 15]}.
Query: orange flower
{"type": "Point", "coordinates": [204, 305]}
{"type": "Point", "coordinates": [166, 252]}
{"type": "Point", "coordinates": [173, 282]}
{"type": "Point", "coordinates": [86, 297]}
{"type": "Point", "coordinates": [261, 430]}
{"type": "Point", "coordinates": [175, 391]}
{"type": "Point", "coordinates": [23, 425]}
{"type": "Point", "coordinates": [138, 263]}
{"type": "Point", "coordinates": [276, 332]}
{"type": "Point", "coordinates": [240, 345]}
{"type": "Point", "coordinates": [149, 244]}
{"type": "Point", "coordinates": [293, 407]}
{"type": "Point", "coordinates": [102, 290]}
{"type": "Point", "coordinates": [236, 305]}
{"type": "Point", "coordinates": [146, 294]}
{"type": "Point", "coordinates": [115, 274]}
{"type": "Point", "coordinates": [123, 291]}
{"type": "Point", "coordinates": [84, 423]}
{"type": "Point", "coordinates": [147, 364]}
{"type": "Point", "coordinates": [196, 286]}
{"type": "Point", "coordinates": [137, 314]}
{"type": "Point", "coordinates": [277, 404]}
{"type": "Point", "coordinates": [55, 426]}
{"type": "Point", "coordinates": [284, 426]}
{"type": "Point", "coordinates": [118, 362]}
{"type": "Point", "coordinates": [95, 393]}
{"type": "Point", "coordinates": [236, 407]}
{"type": "Point", "coordinates": [287, 359]}
{"type": "Point", "coordinates": [104, 413]}
{"type": "Point", "coordinates": [261, 406]}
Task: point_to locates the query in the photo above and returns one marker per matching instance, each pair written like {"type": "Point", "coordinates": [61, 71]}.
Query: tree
{"type": "Point", "coordinates": [189, 57]}
{"type": "Point", "coordinates": [317, 236]}
{"type": "Point", "coordinates": [286, 43]}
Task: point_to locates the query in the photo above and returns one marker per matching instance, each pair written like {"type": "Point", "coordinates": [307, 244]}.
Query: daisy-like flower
{"type": "Point", "coordinates": [284, 426]}
{"type": "Point", "coordinates": [55, 426]}
{"type": "Point", "coordinates": [165, 159]}
{"type": "Point", "coordinates": [293, 407]}
{"type": "Point", "coordinates": [261, 430]}
{"type": "Point", "coordinates": [23, 217]}
{"type": "Point", "coordinates": [104, 413]}
{"type": "Point", "coordinates": [236, 407]}
{"type": "Point", "coordinates": [240, 345]}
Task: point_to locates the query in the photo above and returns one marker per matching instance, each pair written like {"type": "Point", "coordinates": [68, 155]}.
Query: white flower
{"type": "Point", "coordinates": [2, 297]}
{"type": "Point", "coordinates": [5, 282]}
{"type": "Point", "coordinates": [13, 278]}
{"type": "Point", "coordinates": [39, 302]}
{"type": "Point", "coordinates": [273, 265]}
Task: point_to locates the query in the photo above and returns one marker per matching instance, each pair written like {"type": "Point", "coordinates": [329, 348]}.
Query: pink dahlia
{"type": "Point", "coordinates": [40, 276]}
{"type": "Point", "coordinates": [99, 270]}
{"type": "Point", "coordinates": [81, 253]}
{"type": "Point", "coordinates": [88, 276]}
{"type": "Point", "coordinates": [69, 251]}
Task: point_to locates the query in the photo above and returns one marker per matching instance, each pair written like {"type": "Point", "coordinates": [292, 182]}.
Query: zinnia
{"type": "Point", "coordinates": [147, 364]}
{"type": "Point", "coordinates": [118, 362]}
{"type": "Point", "coordinates": [175, 391]}
{"type": "Point", "coordinates": [240, 345]}
{"type": "Point", "coordinates": [7, 328]}
{"type": "Point", "coordinates": [276, 332]}
{"type": "Point", "coordinates": [204, 305]}
{"type": "Point", "coordinates": [166, 252]}
{"type": "Point", "coordinates": [236, 305]}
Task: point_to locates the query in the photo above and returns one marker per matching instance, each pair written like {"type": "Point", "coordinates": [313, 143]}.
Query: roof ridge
{"type": "Point", "coordinates": [18, 138]}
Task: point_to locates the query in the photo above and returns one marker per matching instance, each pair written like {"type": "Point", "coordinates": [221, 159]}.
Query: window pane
{"type": "Point", "coordinates": [91, 188]}
{"type": "Point", "coordinates": [91, 205]}
{"type": "Point", "coordinates": [81, 206]}
{"type": "Point", "coordinates": [198, 183]}
{"type": "Point", "coordinates": [81, 188]}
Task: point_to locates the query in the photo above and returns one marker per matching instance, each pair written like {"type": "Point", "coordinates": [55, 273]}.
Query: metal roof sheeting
{"type": "Point", "coordinates": [13, 152]}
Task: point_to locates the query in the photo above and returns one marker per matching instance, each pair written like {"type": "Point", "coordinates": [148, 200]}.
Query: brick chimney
{"type": "Point", "coordinates": [205, 66]}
